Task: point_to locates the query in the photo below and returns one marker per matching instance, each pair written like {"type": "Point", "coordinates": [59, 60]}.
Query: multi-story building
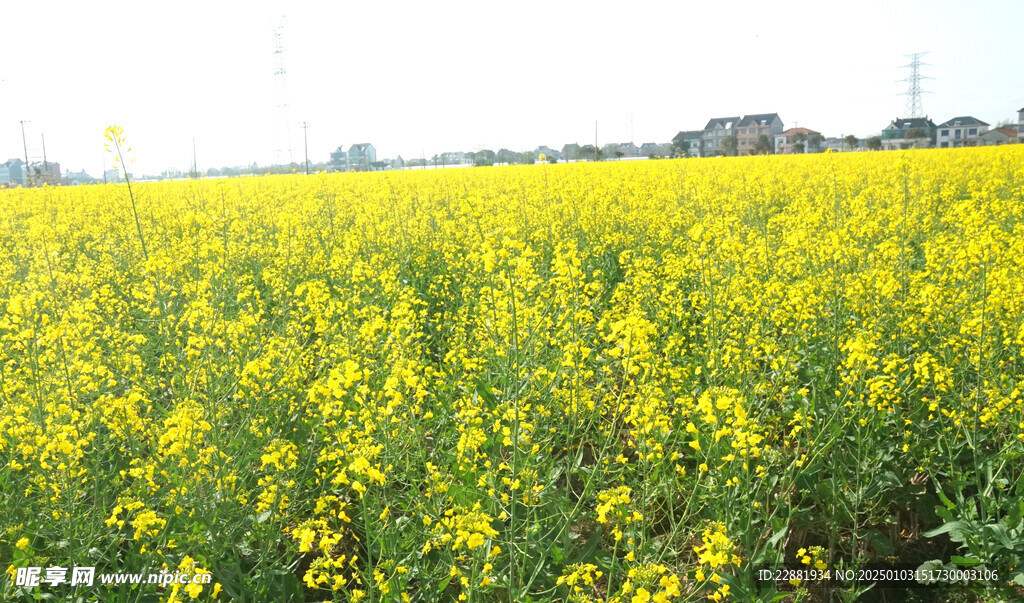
{"type": "Point", "coordinates": [959, 132]}
{"type": "Point", "coordinates": [452, 158]}
{"type": "Point", "coordinates": [689, 143]}
{"type": "Point", "coordinates": [48, 172]}
{"type": "Point", "coordinates": [908, 133]}
{"type": "Point", "coordinates": [628, 149]}
{"type": "Point", "coordinates": [12, 173]}
{"type": "Point", "coordinates": [752, 127]}
{"type": "Point", "coordinates": [715, 134]}
{"type": "Point", "coordinates": [339, 160]}
{"type": "Point", "coordinates": [361, 157]}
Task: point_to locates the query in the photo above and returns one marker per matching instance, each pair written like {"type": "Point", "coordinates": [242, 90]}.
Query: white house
{"type": "Point", "coordinates": [959, 132]}
{"type": "Point", "coordinates": [784, 141]}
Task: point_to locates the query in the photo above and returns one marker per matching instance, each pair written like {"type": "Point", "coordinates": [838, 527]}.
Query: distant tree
{"type": "Point", "coordinates": [484, 157]}
{"type": "Point", "coordinates": [851, 141]}
{"type": "Point", "coordinates": [799, 143]}
{"type": "Point", "coordinates": [618, 154]}
{"type": "Point", "coordinates": [814, 142]}
{"type": "Point", "coordinates": [875, 143]}
{"type": "Point", "coordinates": [679, 147]}
{"type": "Point", "coordinates": [552, 159]}
{"type": "Point", "coordinates": [527, 158]}
{"type": "Point", "coordinates": [763, 146]}
{"type": "Point", "coordinates": [588, 153]}
{"type": "Point", "coordinates": [916, 134]}
{"type": "Point", "coordinates": [730, 144]}
{"type": "Point", "coordinates": [213, 173]}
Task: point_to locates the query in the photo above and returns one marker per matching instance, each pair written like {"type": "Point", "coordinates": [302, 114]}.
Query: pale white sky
{"type": "Point", "coordinates": [419, 78]}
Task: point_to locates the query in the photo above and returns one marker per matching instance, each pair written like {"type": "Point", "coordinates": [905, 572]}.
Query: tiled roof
{"type": "Point", "coordinates": [688, 135]}
{"type": "Point", "coordinates": [1008, 131]}
{"type": "Point", "coordinates": [901, 123]}
{"type": "Point", "coordinates": [966, 120]}
{"type": "Point", "coordinates": [759, 119]}
{"type": "Point", "coordinates": [795, 131]}
{"type": "Point", "coordinates": [722, 122]}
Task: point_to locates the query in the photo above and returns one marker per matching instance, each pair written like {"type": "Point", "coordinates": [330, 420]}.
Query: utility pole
{"type": "Point", "coordinates": [195, 166]}
{"type": "Point", "coordinates": [305, 144]}
{"type": "Point", "coordinates": [46, 166]}
{"type": "Point", "coordinates": [25, 146]}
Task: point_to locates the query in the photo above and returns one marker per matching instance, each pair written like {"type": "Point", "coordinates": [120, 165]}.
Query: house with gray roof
{"type": "Point", "coordinates": [959, 132]}
{"type": "Point", "coordinates": [752, 127]}
{"type": "Point", "coordinates": [715, 132]}
{"type": "Point", "coordinates": [361, 157]}
{"type": "Point", "coordinates": [655, 150]}
{"type": "Point", "coordinates": [339, 160]}
{"type": "Point", "coordinates": [908, 133]}
{"type": "Point", "coordinates": [12, 173]}
{"type": "Point", "coordinates": [689, 143]}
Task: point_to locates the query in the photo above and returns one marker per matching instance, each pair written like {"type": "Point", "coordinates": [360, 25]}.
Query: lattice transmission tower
{"type": "Point", "coordinates": [913, 81]}
{"type": "Point", "coordinates": [282, 124]}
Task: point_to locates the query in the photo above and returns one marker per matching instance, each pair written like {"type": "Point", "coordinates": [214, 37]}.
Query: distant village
{"type": "Point", "coordinates": [757, 134]}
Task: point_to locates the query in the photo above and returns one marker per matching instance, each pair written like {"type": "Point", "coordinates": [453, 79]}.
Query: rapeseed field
{"type": "Point", "coordinates": [618, 382]}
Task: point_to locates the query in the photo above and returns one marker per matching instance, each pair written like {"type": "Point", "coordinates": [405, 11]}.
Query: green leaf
{"type": "Point", "coordinates": [587, 550]}
{"type": "Point", "coordinates": [964, 561]}
{"type": "Point", "coordinates": [881, 543]}
{"type": "Point", "coordinates": [484, 391]}
{"type": "Point", "coordinates": [1001, 534]}
{"type": "Point", "coordinates": [945, 500]}
{"type": "Point", "coordinates": [777, 536]}
{"type": "Point", "coordinates": [946, 527]}
{"type": "Point", "coordinates": [556, 554]}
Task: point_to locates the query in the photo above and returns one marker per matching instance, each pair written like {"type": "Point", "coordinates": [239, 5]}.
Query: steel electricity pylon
{"type": "Point", "coordinates": [914, 91]}
{"type": "Point", "coordinates": [282, 125]}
